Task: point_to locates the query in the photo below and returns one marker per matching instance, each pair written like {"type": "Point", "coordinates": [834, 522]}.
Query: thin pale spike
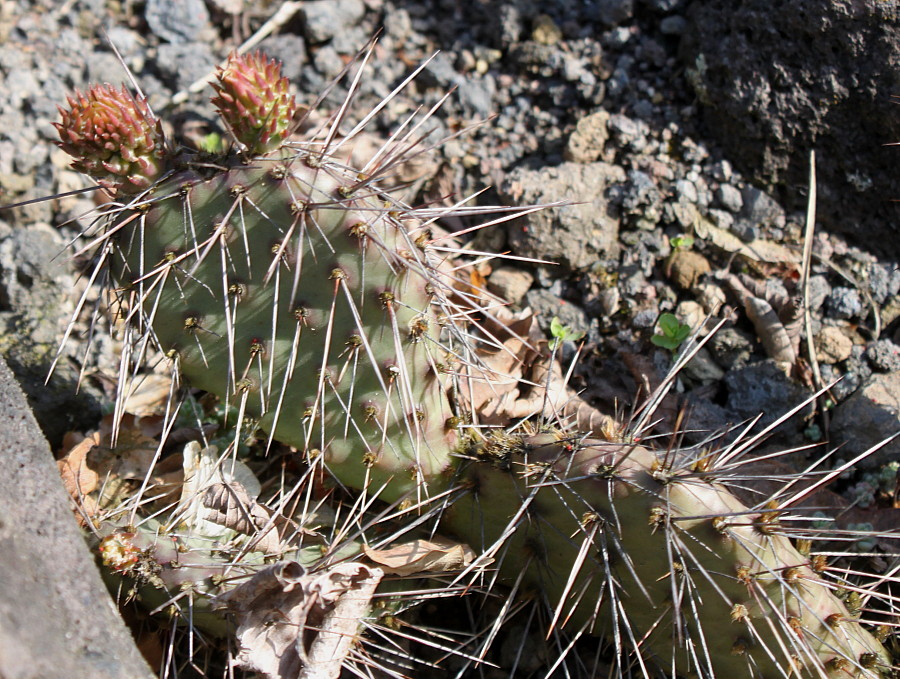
{"type": "Point", "coordinates": [380, 105]}
{"type": "Point", "coordinates": [98, 269]}
{"type": "Point", "coordinates": [741, 447]}
{"type": "Point", "coordinates": [106, 237]}
{"type": "Point", "coordinates": [342, 112]}
{"type": "Point", "coordinates": [288, 374]}
{"type": "Point", "coordinates": [230, 301]}
{"type": "Point", "coordinates": [587, 543]}
{"type": "Point", "coordinates": [277, 306]}
{"type": "Point", "coordinates": [835, 473]}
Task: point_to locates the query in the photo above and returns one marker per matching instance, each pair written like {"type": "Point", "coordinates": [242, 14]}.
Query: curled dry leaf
{"type": "Point", "coordinates": [295, 624]}
{"type": "Point", "coordinates": [98, 465]}
{"type": "Point", "coordinates": [523, 381]}
{"type": "Point", "coordinates": [230, 505]}
{"type": "Point", "coordinates": [203, 468]}
{"type": "Point", "coordinates": [759, 250]}
{"type": "Point", "coordinates": [437, 555]}
{"type": "Point", "coordinates": [770, 329]}
{"type": "Point", "coordinates": [79, 479]}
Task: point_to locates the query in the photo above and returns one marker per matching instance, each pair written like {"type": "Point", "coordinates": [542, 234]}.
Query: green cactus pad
{"type": "Point", "coordinates": [635, 543]}
{"type": "Point", "coordinates": [311, 309]}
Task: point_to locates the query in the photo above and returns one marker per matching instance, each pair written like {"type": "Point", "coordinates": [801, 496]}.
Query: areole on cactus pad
{"type": "Point", "coordinates": [289, 284]}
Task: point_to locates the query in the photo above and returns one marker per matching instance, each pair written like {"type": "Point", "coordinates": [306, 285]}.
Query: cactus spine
{"type": "Point", "coordinates": [287, 283]}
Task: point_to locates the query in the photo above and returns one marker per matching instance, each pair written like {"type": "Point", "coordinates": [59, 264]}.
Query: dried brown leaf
{"type": "Point", "coordinates": [230, 505]}
{"type": "Point", "coordinates": [769, 329]}
{"type": "Point", "coordinates": [79, 479]}
{"type": "Point", "coordinates": [523, 381]}
{"type": "Point", "coordinates": [437, 555]}
{"type": "Point", "coordinates": [294, 624]}
{"type": "Point", "coordinates": [759, 250]}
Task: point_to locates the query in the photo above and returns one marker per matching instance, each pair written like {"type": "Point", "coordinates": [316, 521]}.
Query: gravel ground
{"type": "Point", "coordinates": [591, 102]}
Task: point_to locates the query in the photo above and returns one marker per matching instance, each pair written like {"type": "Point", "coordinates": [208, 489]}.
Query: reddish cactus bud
{"type": "Point", "coordinates": [113, 138]}
{"type": "Point", "coordinates": [254, 100]}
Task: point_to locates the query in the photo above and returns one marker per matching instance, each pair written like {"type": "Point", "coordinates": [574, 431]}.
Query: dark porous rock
{"type": "Point", "coordinates": [641, 200]}
{"type": "Point", "coordinates": [843, 303]}
{"type": "Point", "coordinates": [884, 356]}
{"type": "Point", "coordinates": [778, 79]}
{"type": "Point", "coordinates": [759, 208]}
{"type": "Point", "coordinates": [182, 64]}
{"type": "Point", "coordinates": [729, 197]}
{"type": "Point", "coordinates": [576, 235]}
{"type": "Point", "coordinates": [731, 347]}
{"type": "Point", "coordinates": [869, 417]}
{"type": "Point", "coordinates": [324, 19]}
{"type": "Point", "coordinates": [289, 49]}
{"type": "Point", "coordinates": [884, 281]}
{"type": "Point", "coordinates": [613, 12]}
{"type": "Point", "coordinates": [704, 417]}
{"type": "Point", "coordinates": [762, 389]}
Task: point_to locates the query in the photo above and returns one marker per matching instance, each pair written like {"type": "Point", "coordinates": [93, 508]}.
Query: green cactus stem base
{"type": "Point", "coordinates": [620, 539]}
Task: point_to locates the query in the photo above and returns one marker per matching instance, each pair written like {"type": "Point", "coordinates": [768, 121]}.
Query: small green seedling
{"type": "Point", "coordinates": [562, 333]}
{"type": "Point", "coordinates": [672, 332]}
{"type": "Point", "coordinates": [682, 242]}
{"type": "Point", "coordinates": [212, 143]}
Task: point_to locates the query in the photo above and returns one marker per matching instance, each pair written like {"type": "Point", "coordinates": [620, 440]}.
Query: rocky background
{"type": "Point", "coordinates": [680, 129]}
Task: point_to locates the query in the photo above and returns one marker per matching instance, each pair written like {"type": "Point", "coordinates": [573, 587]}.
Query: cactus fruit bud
{"type": "Point", "coordinates": [254, 101]}
{"type": "Point", "coordinates": [113, 137]}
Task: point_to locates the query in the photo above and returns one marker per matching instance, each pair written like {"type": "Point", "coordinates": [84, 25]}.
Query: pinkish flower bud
{"type": "Point", "coordinates": [113, 137]}
{"type": "Point", "coordinates": [254, 100]}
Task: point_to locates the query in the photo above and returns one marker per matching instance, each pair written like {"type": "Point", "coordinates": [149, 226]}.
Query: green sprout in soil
{"type": "Point", "coordinates": [682, 242]}
{"type": "Point", "coordinates": [562, 333]}
{"type": "Point", "coordinates": [672, 332]}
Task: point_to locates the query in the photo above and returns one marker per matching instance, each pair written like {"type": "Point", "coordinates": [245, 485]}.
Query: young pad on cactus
{"type": "Point", "coordinates": [292, 286]}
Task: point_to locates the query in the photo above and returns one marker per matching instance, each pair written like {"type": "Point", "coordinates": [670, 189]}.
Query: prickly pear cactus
{"type": "Point", "coordinates": [649, 546]}
{"type": "Point", "coordinates": [282, 282]}
{"type": "Point", "coordinates": [291, 286]}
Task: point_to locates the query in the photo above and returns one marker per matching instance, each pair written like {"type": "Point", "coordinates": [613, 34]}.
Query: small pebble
{"type": "Point", "coordinates": [686, 267]}
{"type": "Point", "coordinates": [883, 355]}
{"type": "Point", "coordinates": [843, 303]}
{"type": "Point", "coordinates": [729, 197]}
{"type": "Point", "coordinates": [673, 25]}
{"type": "Point", "coordinates": [832, 345]}
{"type": "Point", "coordinates": [176, 21]}
{"type": "Point", "coordinates": [510, 283]}
{"type": "Point", "coordinates": [760, 208]}
{"type": "Point", "coordinates": [324, 19]}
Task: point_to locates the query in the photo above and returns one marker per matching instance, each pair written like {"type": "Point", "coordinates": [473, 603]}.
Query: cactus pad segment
{"type": "Point", "coordinates": [636, 543]}
{"type": "Point", "coordinates": [310, 309]}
